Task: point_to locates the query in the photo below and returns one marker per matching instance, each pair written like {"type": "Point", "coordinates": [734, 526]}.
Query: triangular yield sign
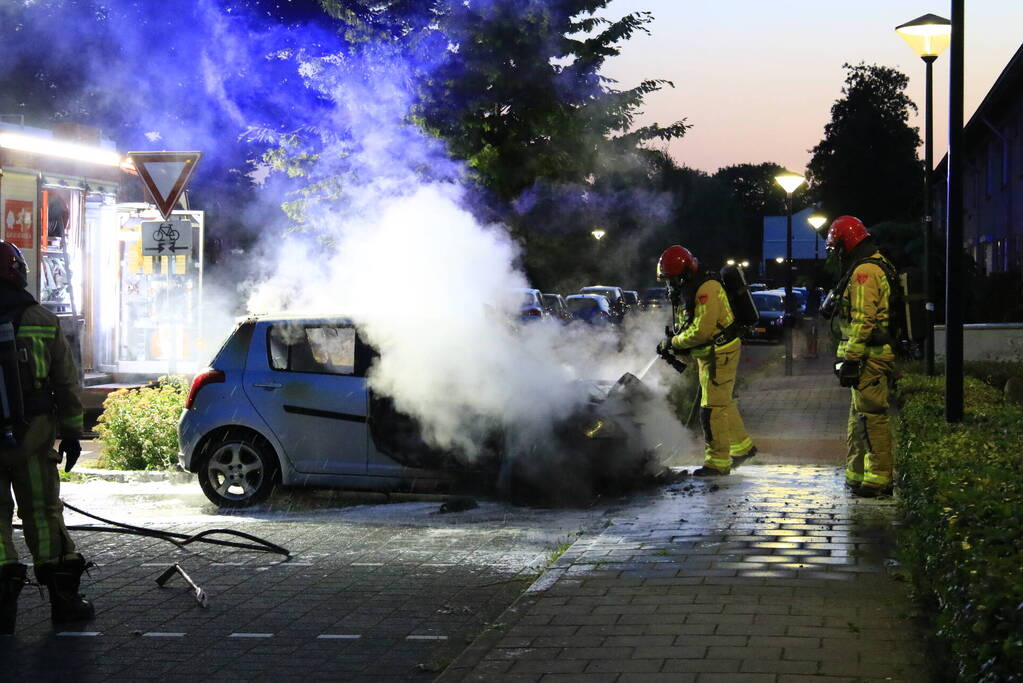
{"type": "Point", "coordinates": [165, 175]}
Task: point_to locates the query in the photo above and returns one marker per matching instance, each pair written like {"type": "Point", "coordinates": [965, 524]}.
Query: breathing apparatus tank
{"type": "Point", "coordinates": [739, 297]}
{"type": "Point", "coordinates": [12, 408]}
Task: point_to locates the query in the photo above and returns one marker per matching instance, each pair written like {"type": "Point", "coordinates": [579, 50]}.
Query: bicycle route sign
{"type": "Point", "coordinates": [166, 238]}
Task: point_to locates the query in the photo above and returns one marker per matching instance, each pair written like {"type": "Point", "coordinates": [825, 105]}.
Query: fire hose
{"type": "Point", "coordinates": [181, 541]}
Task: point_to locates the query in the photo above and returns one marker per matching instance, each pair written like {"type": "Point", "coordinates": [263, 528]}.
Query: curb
{"type": "Point", "coordinates": [462, 666]}
{"type": "Point", "coordinates": [137, 476]}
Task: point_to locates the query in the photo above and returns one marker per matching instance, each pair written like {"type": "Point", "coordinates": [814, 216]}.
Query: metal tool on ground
{"type": "Point", "coordinates": [200, 594]}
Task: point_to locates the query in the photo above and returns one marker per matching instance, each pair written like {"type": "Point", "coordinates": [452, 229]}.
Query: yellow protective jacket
{"type": "Point", "coordinates": [51, 367]}
{"type": "Point", "coordinates": [864, 309]}
{"type": "Point", "coordinates": [712, 314]}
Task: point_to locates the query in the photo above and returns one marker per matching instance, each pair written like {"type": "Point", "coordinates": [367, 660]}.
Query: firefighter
{"type": "Point", "coordinates": [866, 360]}
{"type": "Point", "coordinates": [28, 464]}
{"type": "Point", "coordinates": [704, 329]}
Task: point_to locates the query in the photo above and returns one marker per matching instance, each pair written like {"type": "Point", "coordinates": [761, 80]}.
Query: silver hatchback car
{"type": "Point", "coordinates": [286, 401]}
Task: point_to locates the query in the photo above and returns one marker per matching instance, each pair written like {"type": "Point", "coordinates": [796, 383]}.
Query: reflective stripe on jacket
{"type": "Point", "coordinates": [864, 310]}
{"type": "Point", "coordinates": [711, 315]}
{"type": "Point", "coordinates": [52, 367]}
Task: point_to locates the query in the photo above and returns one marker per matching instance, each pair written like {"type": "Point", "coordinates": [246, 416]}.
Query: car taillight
{"type": "Point", "coordinates": [210, 376]}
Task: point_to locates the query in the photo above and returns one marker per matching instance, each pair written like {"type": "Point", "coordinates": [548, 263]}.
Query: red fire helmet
{"type": "Point", "coordinates": [847, 231]}
{"type": "Point", "coordinates": [13, 268]}
{"type": "Point", "coordinates": [676, 260]}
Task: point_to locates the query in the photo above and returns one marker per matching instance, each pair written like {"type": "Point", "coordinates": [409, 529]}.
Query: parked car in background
{"type": "Point", "coordinates": [771, 321]}
{"type": "Point", "coordinates": [631, 299]}
{"type": "Point", "coordinates": [590, 308]}
{"type": "Point", "coordinates": [615, 297]}
{"type": "Point", "coordinates": [532, 307]}
{"type": "Point", "coordinates": [654, 298]}
{"type": "Point", "coordinates": [799, 294]}
{"type": "Point", "coordinates": [757, 286]}
{"type": "Point", "coordinates": [555, 306]}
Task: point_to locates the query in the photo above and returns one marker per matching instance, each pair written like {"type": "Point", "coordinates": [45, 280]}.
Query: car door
{"type": "Point", "coordinates": [301, 377]}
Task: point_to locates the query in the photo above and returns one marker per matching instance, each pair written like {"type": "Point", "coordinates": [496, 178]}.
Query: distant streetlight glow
{"type": "Point", "coordinates": [928, 35]}
{"type": "Point", "coordinates": [744, 264]}
{"type": "Point", "coordinates": [789, 181]}
{"type": "Point", "coordinates": [779, 260]}
{"type": "Point", "coordinates": [598, 234]}
{"type": "Point", "coordinates": [816, 221]}
{"type": "Point", "coordinates": [730, 261]}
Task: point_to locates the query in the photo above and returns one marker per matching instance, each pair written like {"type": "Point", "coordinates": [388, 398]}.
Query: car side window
{"type": "Point", "coordinates": [322, 349]}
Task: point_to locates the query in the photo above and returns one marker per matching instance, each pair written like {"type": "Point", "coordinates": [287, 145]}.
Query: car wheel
{"type": "Point", "coordinates": [239, 471]}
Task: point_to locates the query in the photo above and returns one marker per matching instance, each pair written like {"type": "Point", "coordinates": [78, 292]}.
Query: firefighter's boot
{"type": "Point", "coordinates": [62, 580]}
{"type": "Point", "coordinates": [12, 580]}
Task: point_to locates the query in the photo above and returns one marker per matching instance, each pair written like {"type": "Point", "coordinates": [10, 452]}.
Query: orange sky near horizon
{"type": "Point", "coordinates": [757, 79]}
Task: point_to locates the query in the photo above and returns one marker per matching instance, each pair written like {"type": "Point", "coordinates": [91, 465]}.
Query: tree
{"type": "Point", "coordinates": [867, 163]}
{"type": "Point", "coordinates": [755, 194]}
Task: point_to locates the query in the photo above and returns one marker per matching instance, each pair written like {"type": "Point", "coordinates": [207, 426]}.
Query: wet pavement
{"type": "Point", "coordinates": [772, 574]}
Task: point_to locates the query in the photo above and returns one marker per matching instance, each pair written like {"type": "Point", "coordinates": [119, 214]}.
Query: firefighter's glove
{"type": "Point", "coordinates": [69, 449]}
{"type": "Point", "coordinates": [848, 372]}
{"type": "Point", "coordinates": [664, 349]}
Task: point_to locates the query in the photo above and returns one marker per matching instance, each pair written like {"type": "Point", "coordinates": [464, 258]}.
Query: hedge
{"type": "Point", "coordinates": [961, 491]}
{"type": "Point", "coordinates": [139, 427]}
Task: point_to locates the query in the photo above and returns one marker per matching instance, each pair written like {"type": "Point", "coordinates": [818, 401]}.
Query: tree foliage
{"type": "Point", "coordinates": [867, 163]}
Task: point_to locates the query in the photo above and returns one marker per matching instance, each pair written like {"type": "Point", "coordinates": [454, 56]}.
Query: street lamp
{"type": "Point", "coordinates": [598, 234]}
{"type": "Point", "coordinates": [928, 35]}
{"type": "Point", "coordinates": [789, 182]}
{"type": "Point", "coordinates": [730, 262]}
{"type": "Point", "coordinates": [744, 264]}
{"type": "Point", "coordinates": [816, 221]}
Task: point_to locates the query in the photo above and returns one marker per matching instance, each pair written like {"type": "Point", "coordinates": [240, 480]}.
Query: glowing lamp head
{"type": "Point", "coordinates": [598, 234]}
{"type": "Point", "coordinates": [730, 262]}
{"type": "Point", "coordinates": [779, 260]}
{"type": "Point", "coordinates": [928, 35]}
{"type": "Point", "coordinates": [816, 221]}
{"type": "Point", "coordinates": [789, 181]}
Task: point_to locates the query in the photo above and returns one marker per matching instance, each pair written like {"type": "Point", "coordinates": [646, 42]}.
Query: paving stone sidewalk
{"type": "Point", "coordinates": [773, 574]}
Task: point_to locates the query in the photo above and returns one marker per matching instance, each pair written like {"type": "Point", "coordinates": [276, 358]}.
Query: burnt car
{"type": "Point", "coordinates": [615, 297]}
{"type": "Point", "coordinates": [590, 308]}
{"type": "Point", "coordinates": [286, 401]}
{"type": "Point", "coordinates": [654, 298]}
{"type": "Point", "coordinates": [555, 306]}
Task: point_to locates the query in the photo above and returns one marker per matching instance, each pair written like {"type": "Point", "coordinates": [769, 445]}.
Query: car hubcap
{"type": "Point", "coordinates": [235, 471]}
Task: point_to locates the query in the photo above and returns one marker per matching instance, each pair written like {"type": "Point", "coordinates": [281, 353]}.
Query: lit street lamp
{"type": "Point", "coordinates": [928, 35]}
{"type": "Point", "coordinates": [730, 262]}
{"type": "Point", "coordinates": [789, 182]}
{"type": "Point", "coordinates": [744, 264]}
{"type": "Point", "coordinates": [816, 221]}
{"type": "Point", "coordinates": [598, 234]}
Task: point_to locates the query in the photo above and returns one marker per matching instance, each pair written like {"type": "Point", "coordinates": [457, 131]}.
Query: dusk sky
{"type": "Point", "coordinates": [757, 79]}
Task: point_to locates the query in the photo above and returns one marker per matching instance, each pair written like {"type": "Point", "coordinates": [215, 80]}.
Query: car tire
{"type": "Point", "coordinates": [238, 470]}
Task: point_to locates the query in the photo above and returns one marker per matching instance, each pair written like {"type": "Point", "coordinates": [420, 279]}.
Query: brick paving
{"type": "Point", "coordinates": [773, 574]}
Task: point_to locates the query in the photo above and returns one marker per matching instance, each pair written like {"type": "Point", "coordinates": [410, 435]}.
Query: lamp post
{"type": "Point", "coordinates": [789, 182]}
{"type": "Point", "coordinates": [928, 35]}
{"type": "Point", "coordinates": [954, 262]}
{"type": "Point", "coordinates": [816, 221]}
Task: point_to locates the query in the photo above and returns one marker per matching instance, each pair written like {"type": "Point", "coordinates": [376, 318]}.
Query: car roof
{"type": "Point", "coordinates": [599, 298]}
{"type": "Point", "coordinates": [287, 317]}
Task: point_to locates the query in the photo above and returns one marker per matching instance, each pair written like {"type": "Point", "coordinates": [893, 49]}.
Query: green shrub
{"type": "Point", "coordinates": [138, 427]}
{"type": "Point", "coordinates": [962, 496]}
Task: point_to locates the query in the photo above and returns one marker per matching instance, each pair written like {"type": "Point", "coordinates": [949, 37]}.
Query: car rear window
{"type": "Point", "coordinates": [323, 349]}
{"type": "Point", "coordinates": [768, 302]}
{"type": "Point", "coordinates": [576, 305]}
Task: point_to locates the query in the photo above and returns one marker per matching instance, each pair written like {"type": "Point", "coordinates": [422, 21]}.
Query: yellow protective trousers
{"type": "Point", "coordinates": [31, 471]}
{"type": "Point", "coordinates": [723, 431]}
{"type": "Point", "coordinates": [870, 435]}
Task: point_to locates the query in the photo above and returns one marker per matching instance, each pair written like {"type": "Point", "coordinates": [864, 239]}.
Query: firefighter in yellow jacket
{"type": "Point", "coordinates": [866, 360]}
{"type": "Point", "coordinates": [47, 383]}
{"type": "Point", "coordinates": [703, 328]}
